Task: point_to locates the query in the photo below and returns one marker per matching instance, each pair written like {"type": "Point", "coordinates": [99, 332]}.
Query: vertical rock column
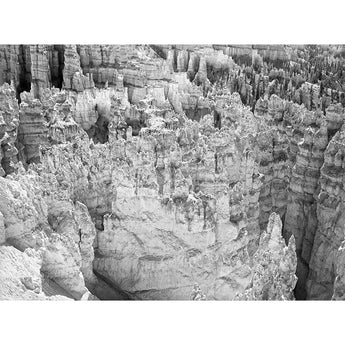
{"type": "Point", "coordinates": [9, 121]}
{"type": "Point", "coordinates": [331, 219]}
{"type": "Point", "coordinates": [300, 219]}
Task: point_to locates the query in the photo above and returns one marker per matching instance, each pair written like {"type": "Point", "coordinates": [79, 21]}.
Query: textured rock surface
{"type": "Point", "coordinates": [9, 122]}
{"type": "Point", "coordinates": [20, 277]}
{"type": "Point", "coordinates": [330, 215]}
{"type": "Point", "coordinates": [138, 171]}
{"type": "Point", "coordinates": [339, 283]}
{"type": "Point", "coordinates": [274, 266]}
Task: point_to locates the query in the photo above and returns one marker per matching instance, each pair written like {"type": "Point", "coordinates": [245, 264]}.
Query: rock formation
{"type": "Point", "coordinates": [274, 266]}
{"type": "Point", "coordinates": [135, 172]}
{"type": "Point", "coordinates": [197, 294]}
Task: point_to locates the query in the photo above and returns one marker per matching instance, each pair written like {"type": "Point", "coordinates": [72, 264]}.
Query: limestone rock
{"type": "Point", "coordinates": [20, 277]}
{"type": "Point", "coordinates": [338, 290]}
{"type": "Point", "coordinates": [330, 205]}
{"type": "Point", "coordinates": [9, 121]}
{"type": "Point", "coordinates": [136, 171]}
{"type": "Point", "coordinates": [197, 294]}
{"type": "Point", "coordinates": [274, 266]}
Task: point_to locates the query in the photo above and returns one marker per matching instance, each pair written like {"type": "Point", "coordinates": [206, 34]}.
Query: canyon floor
{"type": "Point", "coordinates": [172, 172]}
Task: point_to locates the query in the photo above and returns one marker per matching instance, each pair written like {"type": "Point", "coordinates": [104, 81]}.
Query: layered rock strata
{"type": "Point", "coordinates": [151, 168]}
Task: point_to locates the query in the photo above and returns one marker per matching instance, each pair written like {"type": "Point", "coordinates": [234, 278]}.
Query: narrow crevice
{"type": "Point", "coordinates": [191, 73]}
{"type": "Point", "coordinates": [24, 77]}
{"type": "Point", "coordinates": [216, 163]}
{"type": "Point", "coordinates": [174, 60]}
{"type": "Point", "coordinates": [217, 120]}
{"type": "Point", "coordinates": [300, 291]}
{"type": "Point", "coordinates": [57, 64]}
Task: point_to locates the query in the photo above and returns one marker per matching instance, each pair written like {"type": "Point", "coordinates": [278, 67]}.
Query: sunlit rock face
{"type": "Point", "coordinates": [9, 122]}
{"type": "Point", "coordinates": [63, 253]}
{"type": "Point", "coordinates": [137, 171]}
{"type": "Point", "coordinates": [20, 277]}
{"type": "Point", "coordinates": [184, 211]}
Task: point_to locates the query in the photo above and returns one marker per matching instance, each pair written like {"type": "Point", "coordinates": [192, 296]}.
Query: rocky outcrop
{"type": "Point", "coordinates": [197, 294]}
{"type": "Point", "coordinates": [274, 266]}
{"type": "Point", "coordinates": [274, 154]}
{"type": "Point", "coordinates": [20, 277]}
{"type": "Point", "coordinates": [330, 228]}
{"type": "Point", "coordinates": [146, 169]}
{"type": "Point", "coordinates": [339, 288]}
{"type": "Point", "coordinates": [135, 187]}
{"type": "Point", "coordinates": [32, 130]}
{"type": "Point", "coordinates": [9, 121]}
{"type": "Point", "coordinates": [29, 223]}
{"type": "Point", "coordinates": [15, 67]}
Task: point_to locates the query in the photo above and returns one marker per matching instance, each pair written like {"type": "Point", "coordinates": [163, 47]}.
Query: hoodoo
{"type": "Point", "coordinates": [172, 172]}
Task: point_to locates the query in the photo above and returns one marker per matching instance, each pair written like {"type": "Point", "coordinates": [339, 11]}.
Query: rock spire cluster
{"type": "Point", "coordinates": [148, 172]}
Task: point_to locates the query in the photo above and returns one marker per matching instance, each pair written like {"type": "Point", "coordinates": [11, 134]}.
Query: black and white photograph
{"type": "Point", "coordinates": [160, 170]}
{"type": "Point", "coordinates": [172, 172]}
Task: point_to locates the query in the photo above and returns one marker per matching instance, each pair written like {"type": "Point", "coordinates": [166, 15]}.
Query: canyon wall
{"type": "Point", "coordinates": [137, 171]}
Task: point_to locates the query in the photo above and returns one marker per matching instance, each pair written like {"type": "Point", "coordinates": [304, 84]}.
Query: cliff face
{"type": "Point", "coordinates": [167, 203]}
{"type": "Point", "coordinates": [184, 211]}
{"type": "Point", "coordinates": [146, 169]}
{"type": "Point", "coordinates": [325, 262]}
{"type": "Point", "coordinates": [274, 266]}
{"type": "Point", "coordinates": [9, 122]}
